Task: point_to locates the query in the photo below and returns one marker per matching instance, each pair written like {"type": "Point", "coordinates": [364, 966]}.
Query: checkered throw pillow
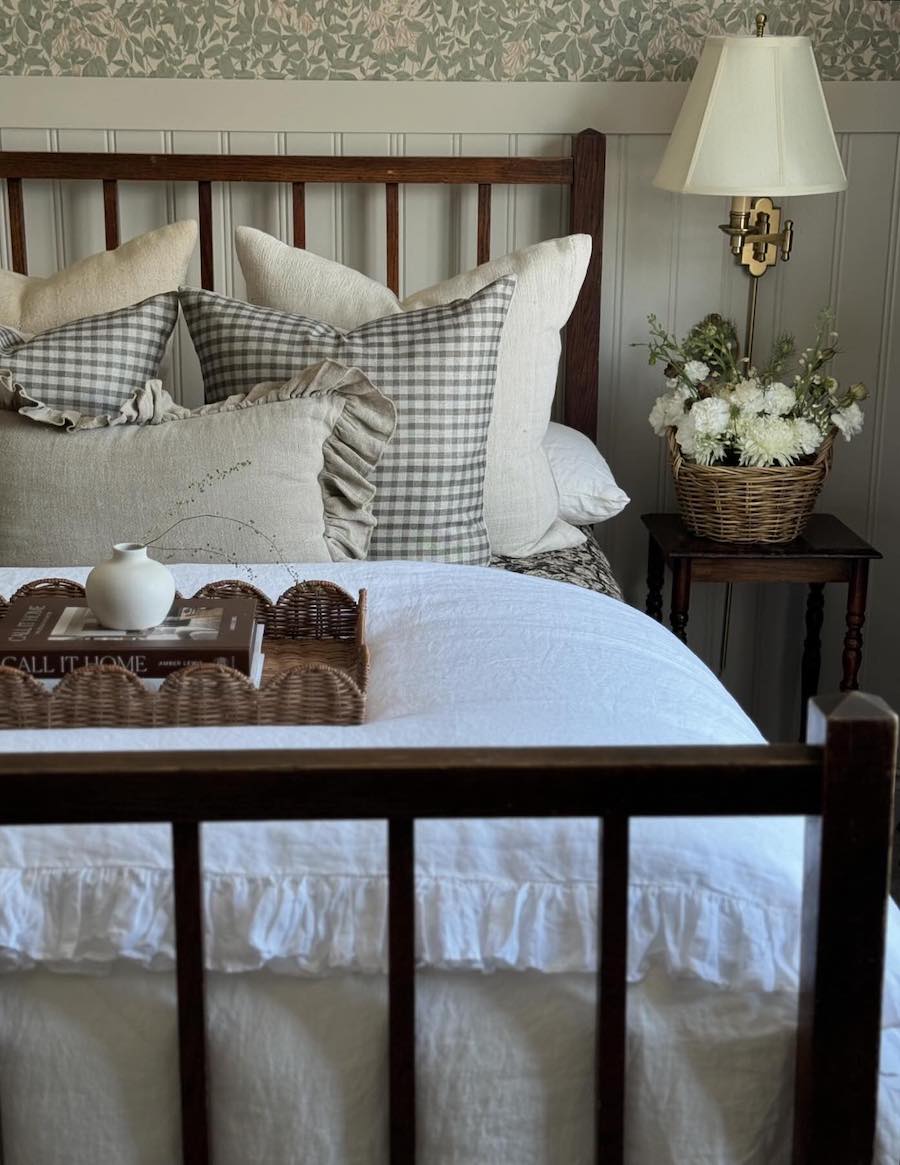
{"type": "Point", "coordinates": [438, 366]}
{"type": "Point", "coordinates": [92, 365]}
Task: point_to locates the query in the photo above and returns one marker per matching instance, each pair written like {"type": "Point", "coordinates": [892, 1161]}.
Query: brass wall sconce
{"type": "Point", "coordinates": [786, 148]}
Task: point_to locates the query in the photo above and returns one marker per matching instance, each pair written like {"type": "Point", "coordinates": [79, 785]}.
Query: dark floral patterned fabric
{"type": "Point", "coordinates": [583, 566]}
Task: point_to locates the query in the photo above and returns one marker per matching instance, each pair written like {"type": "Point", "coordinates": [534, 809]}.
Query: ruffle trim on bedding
{"type": "Point", "coordinates": [79, 920]}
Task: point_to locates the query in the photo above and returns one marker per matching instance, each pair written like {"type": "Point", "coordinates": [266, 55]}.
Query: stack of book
{"type": "Point", "coordinates": [50, 636]}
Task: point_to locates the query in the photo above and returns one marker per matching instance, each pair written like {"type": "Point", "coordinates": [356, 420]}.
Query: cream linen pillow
{"type": "Point", "coordinates": [280, 474]}
{"type": "Point", "coordinates": [520, 497]}
{"type": "Point", "coordinates": [145, 266]}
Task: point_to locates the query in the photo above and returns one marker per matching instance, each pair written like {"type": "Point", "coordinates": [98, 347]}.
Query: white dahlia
{"type": "Point", "coordinates": [767, 441]}
{"type": "Point", "coordinates": [708, 448]}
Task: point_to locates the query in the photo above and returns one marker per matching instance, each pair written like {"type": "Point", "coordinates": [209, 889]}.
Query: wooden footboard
{"type": "Point", "coordinates": [842, 782]}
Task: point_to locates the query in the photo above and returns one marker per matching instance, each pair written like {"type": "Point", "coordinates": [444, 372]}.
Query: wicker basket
{"type": "Point", "coordinates": [744, 504]}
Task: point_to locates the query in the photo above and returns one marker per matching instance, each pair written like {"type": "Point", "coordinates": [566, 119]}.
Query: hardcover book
{"type": "Point", "coordinates": [49, 636]}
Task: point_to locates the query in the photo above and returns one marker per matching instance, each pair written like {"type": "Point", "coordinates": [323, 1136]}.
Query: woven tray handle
{"type": "Point", "coordinates": [312, 693]}
{"type": "Point", "coordinates": [24, 703]}
{"type": "Point", "coordinates": [99, 697]}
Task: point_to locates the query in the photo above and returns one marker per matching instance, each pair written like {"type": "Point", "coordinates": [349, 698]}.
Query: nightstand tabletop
{"type": "Point", "coordinates": [824, 537]}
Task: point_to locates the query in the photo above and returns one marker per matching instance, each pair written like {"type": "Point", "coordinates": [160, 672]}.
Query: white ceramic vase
{"type": "Point", "coordinates": [130, 592]}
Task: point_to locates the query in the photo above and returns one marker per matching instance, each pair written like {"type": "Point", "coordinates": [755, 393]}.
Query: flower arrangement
{"type": "Point", "coordinates": [725, 412]}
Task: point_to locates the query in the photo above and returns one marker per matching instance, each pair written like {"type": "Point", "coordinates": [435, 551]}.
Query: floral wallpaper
{"type": "Point", "coordinates": [458, 40]}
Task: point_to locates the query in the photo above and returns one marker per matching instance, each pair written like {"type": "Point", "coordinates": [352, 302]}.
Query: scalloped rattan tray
{"type": "Point", "coordinates": [316, 672]}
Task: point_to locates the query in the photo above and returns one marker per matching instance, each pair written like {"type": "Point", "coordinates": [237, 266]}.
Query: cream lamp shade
{"type": "Point", "coordinates": [754, 121]}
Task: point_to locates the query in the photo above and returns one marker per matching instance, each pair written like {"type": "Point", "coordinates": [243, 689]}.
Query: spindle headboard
{"type": "Point", "coordinates": [583, 172]}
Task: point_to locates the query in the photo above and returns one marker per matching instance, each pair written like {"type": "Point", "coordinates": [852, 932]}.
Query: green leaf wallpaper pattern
{"type": "Point", "coordinates": [432, 40]}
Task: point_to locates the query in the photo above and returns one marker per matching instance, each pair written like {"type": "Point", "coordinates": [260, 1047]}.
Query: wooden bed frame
{"type": "Point", "coordinates": [842, 782]}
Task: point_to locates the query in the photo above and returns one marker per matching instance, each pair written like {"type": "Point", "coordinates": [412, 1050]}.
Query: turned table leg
{"type": "Point", "coordinates": [681, 597]}
{"type": "Point", "coordinates": [811, 663]}
{"type": "Point", "coordinates": [856, 616]}
{"type": "Point", "coordinates": [656, 571]}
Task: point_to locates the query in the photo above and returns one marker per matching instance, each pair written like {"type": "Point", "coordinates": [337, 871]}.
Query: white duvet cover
{"type": "Point", "coordinates": [466, 656]}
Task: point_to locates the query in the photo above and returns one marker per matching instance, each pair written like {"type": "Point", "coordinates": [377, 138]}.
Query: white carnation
{"type": "Point", "coordinates": [779, 399]}
{"type": "Point", "coordinates": [686, 433]}
{"type": "Point", "coordinates": [808, 435]}
{"type": "Point", "coordinates": [668, 410]}
{"type": "Point", "coordinates": [849, 420]}
{"type": "Point", "coordinates": [702, 447]}
{"type": "Point", "coordinates": [711, 416]}
{"type": "Point", "coordinates": [748, 397]}
{"type": "Point", "coordinates": [767, 441]}
{"type": "Point", "coordinates": [696, 371]}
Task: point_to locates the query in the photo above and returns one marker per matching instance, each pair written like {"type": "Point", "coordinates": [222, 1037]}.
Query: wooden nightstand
{"type": "Point", "coordinates": [827, 551]}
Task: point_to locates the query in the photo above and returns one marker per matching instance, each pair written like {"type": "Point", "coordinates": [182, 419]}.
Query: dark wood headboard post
{"type": "Point", "coordinates": [846, 879]}
{"type": "Point", "coordinates": [16, 204]}
{"type": "Point", "coordinates": [583, 333]}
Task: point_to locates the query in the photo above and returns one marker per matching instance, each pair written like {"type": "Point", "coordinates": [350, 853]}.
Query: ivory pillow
{"type": "Point", "coordinates": [281, 474]}
{"type": "Point", "coordinates": [145, 266]}
{"type": "Point", "coordinates": [520, 498]}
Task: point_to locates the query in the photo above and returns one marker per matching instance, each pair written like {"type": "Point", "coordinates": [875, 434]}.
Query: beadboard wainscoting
{"type": "Point", "coordinates": [663, 254]}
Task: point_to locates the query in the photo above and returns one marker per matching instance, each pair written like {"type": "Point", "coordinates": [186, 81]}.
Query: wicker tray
{"type": "Point", "coordinates": [744, 504]}
{"type": "Point", "coordinates": [316, 672]}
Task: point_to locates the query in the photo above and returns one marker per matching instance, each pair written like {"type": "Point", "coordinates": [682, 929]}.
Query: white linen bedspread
{"type": "Point", "coordinates": [460, 656]}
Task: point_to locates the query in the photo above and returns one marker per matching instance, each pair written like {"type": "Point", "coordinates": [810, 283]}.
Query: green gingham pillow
{"type": "Point", "coordinates": [93, 365]}
{"type": "Point", "coordinates": [438, 366]}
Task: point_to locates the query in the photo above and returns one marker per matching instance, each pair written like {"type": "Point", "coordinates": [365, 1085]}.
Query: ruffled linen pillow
{"type": "Point", "coordinates": [280, 474]}
{"type": "Point", "coordinates": [147, 265]}
{"type": "Point", "coordinates": [520, 498]}
{"type": "Point", "coordinates": [437, 365]}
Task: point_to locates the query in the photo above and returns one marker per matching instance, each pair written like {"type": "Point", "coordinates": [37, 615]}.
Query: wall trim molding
{"type": "Point", "coordinates": [617, 107]}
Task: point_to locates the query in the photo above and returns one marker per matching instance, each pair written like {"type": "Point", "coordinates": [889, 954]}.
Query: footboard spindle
{"type": "Point", "coordinates": [609, 1091]}
{"type": "Point", "coordinates": [401, 990]}
{"type": "Point", "coordinates": [186, 865]}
